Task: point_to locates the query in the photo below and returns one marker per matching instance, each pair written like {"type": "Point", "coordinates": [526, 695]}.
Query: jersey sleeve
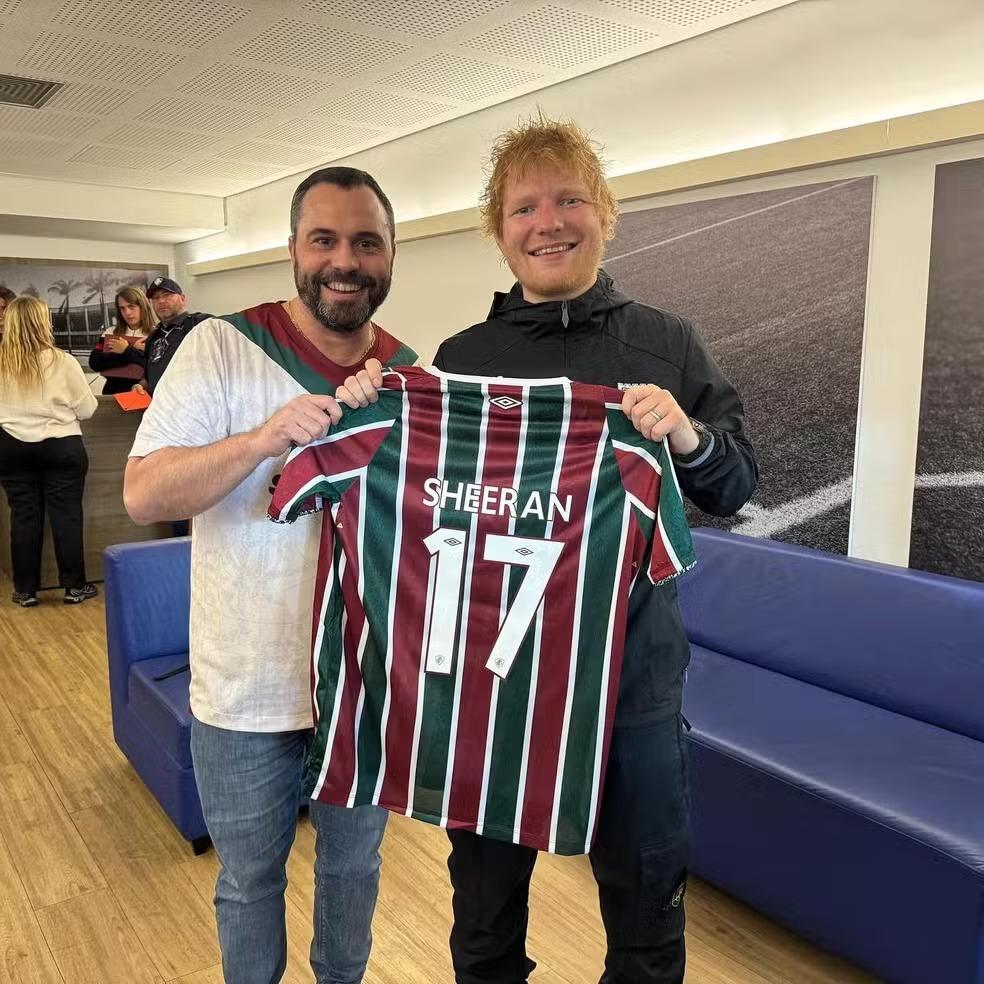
{"type": "Point", "coordinates": [646, 468]}
{"type": "Point", "coordinates": [321, 471]}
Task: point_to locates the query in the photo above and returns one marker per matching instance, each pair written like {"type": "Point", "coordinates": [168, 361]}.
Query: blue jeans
{"type": "Point", "coordinates": [250, 786]}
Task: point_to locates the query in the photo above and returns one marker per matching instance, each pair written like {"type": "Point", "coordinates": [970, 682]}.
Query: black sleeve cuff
{"type": "Point", "coordinates": [700, 454]}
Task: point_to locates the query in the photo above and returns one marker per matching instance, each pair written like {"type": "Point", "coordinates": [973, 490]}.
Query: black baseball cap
{"type": "Point", "coordinates": [164, 283]}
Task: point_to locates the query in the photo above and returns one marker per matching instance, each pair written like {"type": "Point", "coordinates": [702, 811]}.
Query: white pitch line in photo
{"type": "Point", "coordinates": [756, 520]}
{"type": "Point", "coordinates": [734, 218]}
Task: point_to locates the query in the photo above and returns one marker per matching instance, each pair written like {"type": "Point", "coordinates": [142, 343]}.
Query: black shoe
{"type": "Point", "coordinates": [24, 598]}
{"type": "Point", "coordinates": [74, 595]}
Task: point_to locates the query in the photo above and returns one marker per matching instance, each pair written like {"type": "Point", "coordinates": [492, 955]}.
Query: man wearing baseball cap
{"type": "Point", "coordinates": [171, 306]}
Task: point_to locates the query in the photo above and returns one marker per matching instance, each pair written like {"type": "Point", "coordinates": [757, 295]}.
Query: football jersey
{"type": "Point", "coordinates": [480, 541]}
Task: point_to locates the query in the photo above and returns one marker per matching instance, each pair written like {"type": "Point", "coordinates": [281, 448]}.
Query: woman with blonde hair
{"type": "Point", "coordinates": [43, 396]}
{"type": "Point", "coordinates": [119, 354]}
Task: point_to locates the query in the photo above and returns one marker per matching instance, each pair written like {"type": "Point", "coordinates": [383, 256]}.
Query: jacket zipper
{"type": "Point", "coordinates": [565, 321]}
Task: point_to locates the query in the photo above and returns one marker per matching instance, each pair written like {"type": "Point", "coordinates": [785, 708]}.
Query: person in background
{"type": "Point", "coordinates": [120, 354]}
{"type": "Point", "coordinates": [6, 296]}
{"type": "Point", "coordinates": [171, 306]}
{"type": "Point", "coordinates": [43, 396]}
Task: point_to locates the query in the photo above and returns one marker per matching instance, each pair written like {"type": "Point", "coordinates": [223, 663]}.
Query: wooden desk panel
{"type": "Point", "coordinates": [108, 437]}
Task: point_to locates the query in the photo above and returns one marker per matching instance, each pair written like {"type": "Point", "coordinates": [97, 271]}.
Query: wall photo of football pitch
{"type": "Point", "coordinates": [775, 283]}
{"type": "Point", "coordinates": [948, 503]}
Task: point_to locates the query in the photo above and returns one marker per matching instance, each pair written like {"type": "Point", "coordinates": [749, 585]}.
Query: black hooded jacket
{"type": "Point", "coordinates": [605, 338]}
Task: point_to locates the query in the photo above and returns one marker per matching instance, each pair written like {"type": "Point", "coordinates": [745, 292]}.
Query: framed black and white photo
{"type": "Point", "coordinates": [79, 293]}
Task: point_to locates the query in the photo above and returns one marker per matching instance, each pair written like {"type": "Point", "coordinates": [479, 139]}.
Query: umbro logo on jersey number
{"type": "Point", "coordinates": [505, 402]}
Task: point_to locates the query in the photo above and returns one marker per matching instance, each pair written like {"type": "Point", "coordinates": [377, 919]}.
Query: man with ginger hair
{"type": "Point", "coordinates": [549, 209]}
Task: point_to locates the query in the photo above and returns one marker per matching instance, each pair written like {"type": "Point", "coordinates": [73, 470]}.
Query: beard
{"type": "Point", "coordinates": [341, 318]}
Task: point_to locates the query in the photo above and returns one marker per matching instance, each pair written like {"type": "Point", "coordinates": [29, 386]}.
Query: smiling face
{"type": "Point", "coordinates": [342, 255]}
{"type": "Point", "coordinates": [551, 235]}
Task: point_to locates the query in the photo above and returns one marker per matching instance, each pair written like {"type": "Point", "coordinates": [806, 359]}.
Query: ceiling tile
{"type": "Point", "coordinates": [268, 153]}
{"type": "Point", "coordinates": [25, 147]}
{"type": "Point", "coordinates": [192, 23]}
{"type": "Point", "coordinates": [171, 141]}
{"type": "Point", "coordinates": [230, 170]}
{"type": "Point", "coordinates": [252, 86]}
{"type": "Point", "coordinates": [138, 158]}
{"type": "Point", "coordinates": [423, 18]}
{"type": "Point", "coordinates": [309, 132]}
{"type": "Point", "coordinates": [682, 13]}
{"type": "Point", "coordinates": [382, 109]}
{"type": "Point", "coordinates": [191, 115]}
{"type": "Point", "coordinates": [62, 55]}
{"type": "Point", "coordinates": [454, 77]}
{"type": "Point", "coordinates": [316, 48]}
{"type": "Point", "coordinates": [42, 124]}
{"type": "Point", "coordinates": [94, 100]}
{"type": "Point", "coordinates": [559, 37]}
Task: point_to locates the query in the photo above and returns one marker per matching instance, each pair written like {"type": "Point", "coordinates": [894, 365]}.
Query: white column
{"type": "Point", "coordinates": [891, 365]}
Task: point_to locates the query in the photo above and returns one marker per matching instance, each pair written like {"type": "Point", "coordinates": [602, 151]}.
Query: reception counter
{"type": "Point", "coordinates": [108, 436]}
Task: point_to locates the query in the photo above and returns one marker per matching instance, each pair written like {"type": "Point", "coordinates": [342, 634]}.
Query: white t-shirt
{"type": "Point", "coordinates": [252, 581]}
{"type": "Point", "coordinates": [53, 409]}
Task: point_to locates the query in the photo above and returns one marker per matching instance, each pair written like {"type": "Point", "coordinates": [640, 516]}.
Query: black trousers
{"type": "Point", "coordinates": [639, 860]}
{"type": "Point", "coordinates": [44, 477]}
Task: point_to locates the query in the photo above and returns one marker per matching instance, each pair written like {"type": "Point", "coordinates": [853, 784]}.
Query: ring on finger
{"type": "Point", "coordinates": [655, 414]}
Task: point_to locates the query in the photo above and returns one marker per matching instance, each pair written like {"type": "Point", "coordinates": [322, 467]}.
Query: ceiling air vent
{"type": "Point", "coordinates": [33, 93]}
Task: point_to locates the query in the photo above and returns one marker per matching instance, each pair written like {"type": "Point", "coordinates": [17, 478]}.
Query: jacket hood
{"type": "Point", "coordinates": [549, 316]}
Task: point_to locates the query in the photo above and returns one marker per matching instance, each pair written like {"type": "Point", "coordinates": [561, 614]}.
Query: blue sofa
{"type": "Point", "coordinates": [837, 751]}
{"type": "Point", "coordinates": [148, 588]}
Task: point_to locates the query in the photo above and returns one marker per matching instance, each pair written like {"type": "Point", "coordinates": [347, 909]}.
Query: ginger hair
{"type": "Point", "coordinates": [538, 143]}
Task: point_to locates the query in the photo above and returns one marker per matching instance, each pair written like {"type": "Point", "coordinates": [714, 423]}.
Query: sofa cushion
{"type": "Point", "coordinates": [902, 640]}
{"type": "Point", "coordinates": [911, 776]}
{"type": "Point", "coordinates": [162, 705]}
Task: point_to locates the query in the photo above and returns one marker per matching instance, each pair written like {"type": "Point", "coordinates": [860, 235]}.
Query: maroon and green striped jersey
{"type": "Point", "coordinates": [480, 541]}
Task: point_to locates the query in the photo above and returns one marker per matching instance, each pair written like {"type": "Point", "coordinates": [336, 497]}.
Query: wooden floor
{"type": "Point", "coordinates": [96, 887]}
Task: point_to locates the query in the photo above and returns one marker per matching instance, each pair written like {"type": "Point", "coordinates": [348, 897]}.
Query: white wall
{"type": "Point", "coordinates": [51, 248]}
{"type": "Point", "coordinates": [37, 207]}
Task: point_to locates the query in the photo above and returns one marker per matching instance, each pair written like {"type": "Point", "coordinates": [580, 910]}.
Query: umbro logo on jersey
{"type": "Point", "coordinates": [505, 402]}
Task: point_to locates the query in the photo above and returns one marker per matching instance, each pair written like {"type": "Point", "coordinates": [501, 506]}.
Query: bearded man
{"type": "Point", "coordinates": [240, 392]}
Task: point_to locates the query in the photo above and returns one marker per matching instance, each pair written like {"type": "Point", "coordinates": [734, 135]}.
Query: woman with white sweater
{"type": "Point", "coordinates": [43, 396]}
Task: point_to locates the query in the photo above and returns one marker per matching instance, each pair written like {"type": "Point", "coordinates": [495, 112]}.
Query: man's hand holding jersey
{"type": "Point", "coordinates": [655, 414]}
{"type": "Point", "coordinates": [363, 388]}
{"type": "Point", "coordinates": [309, 417]}
{"type": "Point", "coordinates": [305, 419]}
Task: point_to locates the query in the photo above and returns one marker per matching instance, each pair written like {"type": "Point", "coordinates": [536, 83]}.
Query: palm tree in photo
{"type": "Point", "coordinates": [98, 282]}
{"type": "Point", "coordinates": [31, 291]}
{"type": "Point", "coordinates": [64, 288]}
